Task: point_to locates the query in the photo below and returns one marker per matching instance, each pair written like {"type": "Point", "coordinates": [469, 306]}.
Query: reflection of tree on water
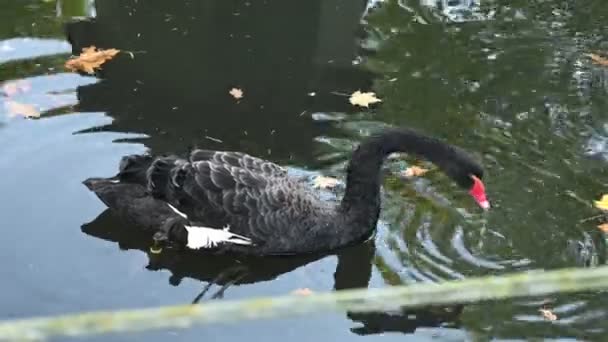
{"type": "Point", "coordinates": [187, 55]}
{"type": "Point", "coordinates": [354, 270]}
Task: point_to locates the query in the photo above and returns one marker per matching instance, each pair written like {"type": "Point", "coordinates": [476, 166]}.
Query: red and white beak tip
{"type": "Point", "coordinates": [478, 191]}
{"type": "Point", "coordinates": [485, 205]}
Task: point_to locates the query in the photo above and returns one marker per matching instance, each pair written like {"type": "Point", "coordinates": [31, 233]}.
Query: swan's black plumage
{"type": "Point", "coordinates": [257, 200]}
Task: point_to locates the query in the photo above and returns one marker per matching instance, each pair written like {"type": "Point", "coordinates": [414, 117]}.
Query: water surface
{"type": "Point", "coordinates": [509, 81]}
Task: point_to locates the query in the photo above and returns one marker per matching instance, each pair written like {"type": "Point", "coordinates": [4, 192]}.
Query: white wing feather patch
{"type": "Point", "coordinates": [204, 237]}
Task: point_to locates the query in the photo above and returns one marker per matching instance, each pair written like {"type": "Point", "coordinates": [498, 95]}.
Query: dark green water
{"type": "Point", "coordinates": [513, 85]}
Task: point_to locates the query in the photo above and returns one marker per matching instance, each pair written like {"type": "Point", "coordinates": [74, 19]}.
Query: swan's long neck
{"type": "Point", "coordinates": [361, 202]}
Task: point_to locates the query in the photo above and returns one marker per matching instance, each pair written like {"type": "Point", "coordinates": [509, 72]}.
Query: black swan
{"type": "Point", "coordinates": [233, 202]}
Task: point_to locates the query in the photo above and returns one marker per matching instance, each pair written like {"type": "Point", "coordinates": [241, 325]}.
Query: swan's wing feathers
{"type": "Point", "coordinates": [222, 188]}
{"type": "Point", "coordinates": [163, 175]}
{"type": "Point", "coordinates": [228, 190]}
{"type": "Point", "coordinates": [218, 177]}
{"type": "Point", "coordinates": [255, 205]}
{"type": "Point", "coordinates": [239, 160]}
{"type": "Point", "coordinates": [223, 177]}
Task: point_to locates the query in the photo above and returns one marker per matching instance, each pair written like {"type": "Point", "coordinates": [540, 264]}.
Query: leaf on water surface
{"type": "Point", "coordinates": [603, 227]}
{"type": "Point", "coordinates": [602, 203]}
{"type": "Point", "coordinates": [90, 59]}
{"type": "Point", "coordinates": [236, 93]}
{"type": "Point", "coordinates": [548, 314]}
{"type": "Point", "coordinates": [363, 99]}
{"type": "Point", "coordinates": [15, 108]}
{"type": "Point", "coordinates": [323, 182]}
{"type": "Point", "coordinates": [597, 59]}
{"type": "Point", "coordinates": [12, 88]}
{"type": "Point", "coordinates": [302, 292]}
{"type": "Point", "coordinates": [414, 171]}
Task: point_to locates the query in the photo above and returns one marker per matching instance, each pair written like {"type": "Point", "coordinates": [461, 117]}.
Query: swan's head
{"type": "Point", "coordinates": [466, 172]}
{"type": "Point", "coordinates": [478, 191]}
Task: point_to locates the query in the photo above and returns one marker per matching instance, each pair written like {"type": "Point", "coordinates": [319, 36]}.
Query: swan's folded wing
{"type": "Point", "coordinates": [256, 206]}
{"type": "Point", "coordinates": [240, 160]}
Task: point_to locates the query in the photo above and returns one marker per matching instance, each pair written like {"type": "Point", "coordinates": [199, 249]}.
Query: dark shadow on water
{"type": "Point", "coordinates": [182, 264]}
{"type": "Point", "coordinates": [186, 56]}
{"type": "Point", "coordinates": [354, 270]}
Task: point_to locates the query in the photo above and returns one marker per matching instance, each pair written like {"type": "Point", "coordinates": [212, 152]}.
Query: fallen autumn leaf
{"type": "Point", "coordinates": [323, 182]}
{"type": "Point", "coordinates": [15, 108]}
{"type": "Point", "coordinates": [13, 87]}
{"type": "Point", "coordinates": [414, 171]}
{"type": "Point", "coordinates": [603, 227]}
{"type": "Point", "coordinates": [548, 314]}
{"type": "Point", "coordinates": [602, 203]}
{"type": "Point", "coordinates": [597, 59]}
{"type": "Point", "coordinates": [302, 292]}
{"type": "Point", "coordinates": [236, 93]}
{"type": "Point", "coordinates": [363, 99]}
{"type": "Point", "coordinates": [90, 59]}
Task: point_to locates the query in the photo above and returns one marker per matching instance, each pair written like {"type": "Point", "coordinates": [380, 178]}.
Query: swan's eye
{"type": "Point", "coordinates": [478, 191]}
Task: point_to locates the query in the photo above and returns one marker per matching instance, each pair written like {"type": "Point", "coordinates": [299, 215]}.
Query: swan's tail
{"type": "Point", "coordinates": [159, 176]}
{"type": "Point", "coordinates": [132, 202]}
{"type": "Point", "coordinates": [114, 193]}
{"type": "Point", "coordinates": [133, 168]}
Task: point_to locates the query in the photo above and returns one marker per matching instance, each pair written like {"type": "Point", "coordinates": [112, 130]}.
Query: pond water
{"type": "Point", "coordinates": [510, 81]}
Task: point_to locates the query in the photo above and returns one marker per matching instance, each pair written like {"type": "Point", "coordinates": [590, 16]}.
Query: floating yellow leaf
{"type": "Point", "coordinates": [325, 182]}
{"type": "Point", "coordinates": [15, 108]}
{"type": "Point", "coordinates": [13, 87]}
{"type": "Point", "coordinates": [414, 171]}
{"type": "Point", "coordinates": [597, 59]}
{"type": "Point", "coordinates": [363, 99]}
{"type": "Point", "coordinates": [602, 203]}
{"type": "Point", "coordinates": [302, 292]}
{"type": "Point", "coordinates": [603, 227]}
{"type": "Point", "coordinates": [236, 93]}
{"type": "Point", "coordinates": [90, 59]}
{"type": "Point", "coordinates": [548, 314]}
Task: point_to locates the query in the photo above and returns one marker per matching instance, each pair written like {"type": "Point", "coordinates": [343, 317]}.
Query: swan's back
{"type": "Point", "coordinates": [253, 197]}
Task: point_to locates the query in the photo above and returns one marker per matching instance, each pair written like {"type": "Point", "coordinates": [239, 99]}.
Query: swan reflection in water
{"type": "Point", "coordinates": [353, 270]}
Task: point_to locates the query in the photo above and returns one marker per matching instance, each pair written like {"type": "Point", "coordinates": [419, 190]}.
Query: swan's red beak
{"type": "Point", "coordinates": [478, 191]}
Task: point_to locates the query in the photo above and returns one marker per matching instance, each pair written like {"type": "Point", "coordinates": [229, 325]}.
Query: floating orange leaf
{"type": "Point", "coordinates": [597, 59]}
{"type": "Point", "coordinates": [325, 182]}
{"type": "Point", "coordinates": [15, 108]}
{"type": "Point", "coordinates": [90, 59]}
{"type": "Point", "coordinates": [548, 314]}
{"type": "Point", "coordinates": [363, 99]}
{"type": "Point", "coordinates": [603, 227]}
{"type": "Point", "coordinates": [414, 171]}
{"type": "Point", "coordinates": [13, 87]}
{"type": "Point", "coordinates": [302, 292]}
{"type": "Point", "coordinates": [236, 93]}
